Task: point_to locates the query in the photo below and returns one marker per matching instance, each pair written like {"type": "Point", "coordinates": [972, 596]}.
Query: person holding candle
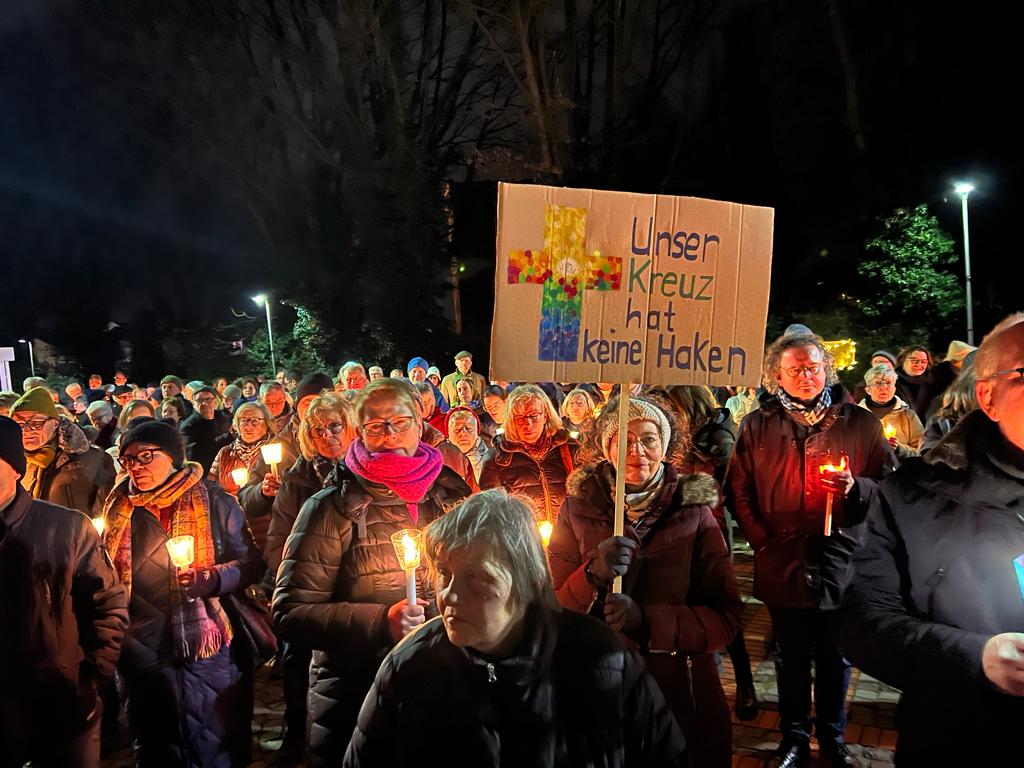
{"type": "Point", "coordinates": [189, 690]}
{"type": "Point", "coordinates": [63, 614]}
{"type": "Point", "coordinates": [340, 587]}
{"type": "Point", "coordinates": [680, 602]}
{"type": "Point", "coordinates": [328, 426]}
{"type": "Point", "coordinates": [900, 424]}
{"type": "Point", "coordinates": [779, 495]}
{"type": "Point", "coordinates": [504, 676]}
{"type": "Point", "coordinates": [935, 603]}
{"type": "Point", "coordinates": [534, 455]}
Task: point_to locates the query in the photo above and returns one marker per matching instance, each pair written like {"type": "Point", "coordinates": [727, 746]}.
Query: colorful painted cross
{"type": "Point", "coordinates": [563, 270]}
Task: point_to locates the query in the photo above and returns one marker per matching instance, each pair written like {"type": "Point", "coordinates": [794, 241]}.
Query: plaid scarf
{"type": "Point", "coordinates": [800, 413]}
{"type": "Point", "coordinates": [182, 505]}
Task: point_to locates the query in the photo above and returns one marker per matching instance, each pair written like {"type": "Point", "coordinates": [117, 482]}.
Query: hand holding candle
{"type": "Point", "coordinates": [182, 550]}
{"type": "Point", "coordinates": [890, 434]}
{"type": "Point", "coordinates": [272, 455]}
{"type": "Point", "coordinates": [832, 474]}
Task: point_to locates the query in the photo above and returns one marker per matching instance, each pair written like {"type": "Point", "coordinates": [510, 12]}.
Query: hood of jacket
{"type": "Point", "coordinates": [71, 439]}
{"type": "Point", "coordinates": [588, 482]}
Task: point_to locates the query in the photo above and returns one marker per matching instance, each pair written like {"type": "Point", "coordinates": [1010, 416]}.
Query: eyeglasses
{"type": "Point", "coordinates": [918, 360]}
{"type": "Point", "coordinates": [334, 428]}
{"type": "Point", "coordinates": [252, 421]}
{"type": "Point", "coordinates": [377, 428]}
{"type": "Point", "coordinates": [203, 400]}
{"type": "Point", "coordinates": [142, 458]}
{"type": "Point", "coordinates": [812, 370]}
{"type": "Point", "coordinates": [528, 418]}
{"type": "Point", "coordinates": [35, 425]}
{"type": "Point", "coordinates": [650, 443]}
{"type": "Point", "coordinates": [1018, 371]}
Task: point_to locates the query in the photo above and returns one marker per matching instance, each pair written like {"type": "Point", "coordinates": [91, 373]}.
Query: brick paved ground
{"type": "Point", "coordinates": [870, 733]}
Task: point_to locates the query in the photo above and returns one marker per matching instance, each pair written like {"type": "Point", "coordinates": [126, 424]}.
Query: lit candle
{"type": "Point", "coordinates": [272, 455]}
{"type": "Point", "coordinates": [890, 431]}
{"type": "Point", "coordinates": [828, 469]}
{"type": "Point", "coordinates": [545, 528]}
{"type": "Point", "coordinates": [182, 550]}
{"type": "Point", "coordinates": [407, 547]}
{"type": "Point", "coordinates": [574, 435]}
{"type": "Point", "coordinates": [100, 524]}
{"type": "Point", "coordinates": [240, 476]}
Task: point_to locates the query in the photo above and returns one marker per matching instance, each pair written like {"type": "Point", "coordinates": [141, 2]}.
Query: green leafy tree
{"type": "Point", "coordinates": [910, 283]}
{"type": "Point", "coordinates": [295, 348]}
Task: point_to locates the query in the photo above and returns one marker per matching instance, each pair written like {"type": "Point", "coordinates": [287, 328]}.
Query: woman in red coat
{"type": "Point", "coordinates": [680, 602]}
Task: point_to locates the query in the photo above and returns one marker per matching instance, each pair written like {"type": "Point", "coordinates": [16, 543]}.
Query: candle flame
{"type": "Point", "coordinates": [890, 430]}
{"type": "Point", "coordinates": [271, 453]}
{"type": "Point", "coordinates": [545, 528]}
{"type": "Point", "coordinates": [100, 524]}
{"type": "Point", "coordinates": [182, 551]}
{"type": "Point", "coordinates": [834, 467]}
{"type": "Point", "coordinates": [240, 475]}
{"type": "Point", "coordinates": [412, 552]}
{"type": "Point", "coordinates": [407, 547]}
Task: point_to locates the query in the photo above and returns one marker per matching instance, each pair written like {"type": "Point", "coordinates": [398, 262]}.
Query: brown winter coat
{"type": "Point", "coordinates": [683, 581]}
{"type": "Point", "coordinates": [80, 475]}
{"type": "Point", "coordinates": [542, 482]}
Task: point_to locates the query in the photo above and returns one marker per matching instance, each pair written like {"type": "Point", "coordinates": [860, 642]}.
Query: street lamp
{"type": "Point", "coordinates": [31, 356]}
{"type": "Point", "coordinates": [964, 188]}
{"type": "Point", "coordinates": [261, 298]}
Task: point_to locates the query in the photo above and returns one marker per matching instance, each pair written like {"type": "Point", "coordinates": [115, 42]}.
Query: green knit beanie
{"type": "Point", "coordinates": [37, 400]}
{"type": "Point", "coordinates": [172, 380]}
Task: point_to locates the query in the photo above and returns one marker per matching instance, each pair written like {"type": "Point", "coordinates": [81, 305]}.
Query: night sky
{"type": "Point", "coordinates": [110, 213]}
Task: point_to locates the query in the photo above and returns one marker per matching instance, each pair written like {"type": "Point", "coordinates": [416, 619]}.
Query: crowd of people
{"type": "Point", "coordinates": [159, 544]}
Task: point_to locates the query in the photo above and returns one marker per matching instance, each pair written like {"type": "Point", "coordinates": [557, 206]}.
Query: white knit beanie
{"type": "Point", "coordinates": [638, 410]}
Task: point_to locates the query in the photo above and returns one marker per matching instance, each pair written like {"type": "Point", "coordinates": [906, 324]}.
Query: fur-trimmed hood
{"type": "Point", "coordinates": [71, 438]}
{"type": "Point", "coordinates": [698, 489]}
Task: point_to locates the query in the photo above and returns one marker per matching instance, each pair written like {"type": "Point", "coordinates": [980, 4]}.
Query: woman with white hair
{"type": "Point", "coordinates": [577, 410]}
{"type": "Point", "coordinates": [503, 676]}
{"type": "Point", "coordinates": [534, 455]}
{"type": "Point", "coordinates": [902, 426]}
{"type": "Point", "coordinates": [679, 599]}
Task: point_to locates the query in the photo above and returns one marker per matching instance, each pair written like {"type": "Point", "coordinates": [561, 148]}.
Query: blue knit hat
{"type": "Point", "coordinates": [417, 362]}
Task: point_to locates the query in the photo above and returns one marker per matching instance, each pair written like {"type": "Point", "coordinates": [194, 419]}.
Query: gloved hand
{"type": "Point", "coordinates": [199, 582]}
{"type": "Point", "coordinates": [622, 613]}
{"type": "Point", "coordinates": [614, 555]}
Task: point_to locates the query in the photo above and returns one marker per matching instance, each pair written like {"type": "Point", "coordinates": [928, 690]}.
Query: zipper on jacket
{"type": "Point", "coordinates": [491, 676]}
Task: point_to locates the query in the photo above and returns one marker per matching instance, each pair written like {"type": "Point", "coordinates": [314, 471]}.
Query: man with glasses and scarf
{"type": "Point", "coordinates": [63, 468]}
{"type": "Point", "coordinates": [779, 489]}
{"type": "Point", "coordinates": [935, 605]}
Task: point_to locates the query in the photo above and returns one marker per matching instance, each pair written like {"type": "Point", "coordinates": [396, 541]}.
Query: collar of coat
{"type": "Point", "coordinates": [698, 489]}
{"type": "Point", "coordinates": [973, 432]}
{"type": "Point", "coordinates": [504, 448]}
{"type": "Point", "coordinates": [899, 405]}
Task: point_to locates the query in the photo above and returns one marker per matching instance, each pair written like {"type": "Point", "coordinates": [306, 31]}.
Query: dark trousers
{"type": "Point", "coordinates": [803, 634]}
{"type": "Point", "coordinates": [740, 659]}
{"type": "Point", "coordinates": [295, 662]}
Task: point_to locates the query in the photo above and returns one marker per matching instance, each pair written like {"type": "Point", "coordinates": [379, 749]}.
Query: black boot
{"type": "Point", "coordinates": [746, 707]}
{"type": "Point", "coordinates": [837, 755]}
{"type": "Point", "coordinates": [790, 755]}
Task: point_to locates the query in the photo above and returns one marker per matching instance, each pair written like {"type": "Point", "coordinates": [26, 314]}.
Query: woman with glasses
{"type": "Point", "coordinates": [534, 456]}
{"type": "Point", "coordinates": [327, 427]}
{"type": "Point", "coordinates": [914, 379]}
{"type": "Point", "coordinates": [250, 425]}
{"type": "Point", "coordinates": [340, 586]}
{"type": "Point", "coordinates": [679, 601]}
{"type": "Point", "coordinates": [189, 688]}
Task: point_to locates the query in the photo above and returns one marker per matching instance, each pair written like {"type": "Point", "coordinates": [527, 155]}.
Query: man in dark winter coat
{"type": "Point", "coordinates": [935, 605]}
{"type": "Point", "coordinates": [206, 431]}
{"type": "Point", "coordinates": [778, 494]}
{"type": "Point", "coordinates": [62, 467]}
{"type": "Point", "coordinates": [63, 614]}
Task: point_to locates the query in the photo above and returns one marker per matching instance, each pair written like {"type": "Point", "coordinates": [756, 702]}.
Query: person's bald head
{"type": "Point", "coordinates": [1000, 369]}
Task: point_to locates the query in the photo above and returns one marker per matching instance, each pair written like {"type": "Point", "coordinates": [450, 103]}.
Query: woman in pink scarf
{"type": "Point", "coordinates": [340, 587]}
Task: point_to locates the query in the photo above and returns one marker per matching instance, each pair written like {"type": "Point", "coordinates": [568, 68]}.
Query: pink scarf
{"type": "Point", "coordinates": [408, 476]}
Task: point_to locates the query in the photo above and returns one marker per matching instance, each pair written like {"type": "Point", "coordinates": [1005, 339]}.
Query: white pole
{"type": "Point", "coordinates": [270, 338]}
{"type": "Point", "coordinates": [967, 267]}
{"type": "Point", "coordinates": [31, 358]}
{"type": "Point", "coordinates": [620, 471]}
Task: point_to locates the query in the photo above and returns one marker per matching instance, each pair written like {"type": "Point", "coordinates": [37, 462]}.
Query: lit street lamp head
{"type": "Point", "coordinates": [260, 298]}
{"type": "Point", "coordinates": [963, 188]}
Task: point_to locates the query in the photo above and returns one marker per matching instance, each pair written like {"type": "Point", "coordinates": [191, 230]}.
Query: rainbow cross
{"type": "Point", "coordinates": [563, 269]}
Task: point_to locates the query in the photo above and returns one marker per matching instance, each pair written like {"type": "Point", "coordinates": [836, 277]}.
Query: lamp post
{"type": "Point", "coordinates": [31, 355]}
{"type": "Point", "coordinates": [261, 298]}
{"type": "Point", "coordinates": [964, 189]}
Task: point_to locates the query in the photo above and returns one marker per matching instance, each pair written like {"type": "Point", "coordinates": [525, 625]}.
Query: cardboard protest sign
{"type": "Point", "coordinates": [613, 286]}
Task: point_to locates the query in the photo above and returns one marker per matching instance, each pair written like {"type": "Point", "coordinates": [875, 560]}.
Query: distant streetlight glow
{"type": "Point", "coordinates": [261, 299]}
{"type": "Point", "coordinates": [31, 355]}
{"type": "Point", "coordinates": [964, 189]}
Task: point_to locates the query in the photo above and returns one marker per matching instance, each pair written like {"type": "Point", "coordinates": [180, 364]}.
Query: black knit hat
{"type": "Point", "coordinates": [159, 433]}
{"type": "Point", "coordinates": [312, 384]}
{"type": "Point", "coordinates": [11, 449]}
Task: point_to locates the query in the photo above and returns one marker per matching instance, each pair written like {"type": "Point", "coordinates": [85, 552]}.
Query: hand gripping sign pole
{"type": "Point", "coordinates": [620, 471]}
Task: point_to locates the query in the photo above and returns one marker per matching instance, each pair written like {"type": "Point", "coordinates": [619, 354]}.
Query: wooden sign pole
{"type": "Point", "coordinates": [620, 471]}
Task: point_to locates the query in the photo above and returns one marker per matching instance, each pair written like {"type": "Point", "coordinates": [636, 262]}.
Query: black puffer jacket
{"type": "Point", "coordinates": [934, 580]}
{"type": "Point", "coordinates": [297, 484]}
{"type": "Point", "coordinates": [774, 489]}
{"type": "Point", "coordinates": [571, 696]}
{"type": "Point", "coordinates": [205, 437]}
{"type": "Point", "coordinates": [338, 577]}
{"type": "Point", "coordinates": [543, 482]}
{"type": "Point", "coordinates": [63, 614]}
